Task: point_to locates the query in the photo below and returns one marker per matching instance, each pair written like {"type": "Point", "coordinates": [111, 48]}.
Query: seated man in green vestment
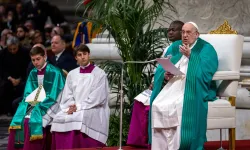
{"type": "Point", "coordinates": [179, 110]}
{"type": "Point", "coordinates": [39, 105]}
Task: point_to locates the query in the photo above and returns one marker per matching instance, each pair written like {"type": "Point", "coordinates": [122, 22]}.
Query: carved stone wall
{"type": "Point", "coordinates": [209, 14]}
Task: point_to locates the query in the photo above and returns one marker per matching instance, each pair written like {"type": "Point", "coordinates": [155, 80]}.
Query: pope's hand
{"type": "Point", "coordinates": [151, 86]}
{"type": "Point", "coordinates": [168, 76]}
{"type": "Point", "coordinates": [185, 50]}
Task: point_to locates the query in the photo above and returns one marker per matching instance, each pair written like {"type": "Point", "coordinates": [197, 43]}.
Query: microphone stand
{"type": "Point", "coordinates": [121, 96]}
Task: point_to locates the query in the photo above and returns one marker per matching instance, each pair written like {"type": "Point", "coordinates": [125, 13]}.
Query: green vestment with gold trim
{"type": "Point", "coordinates": [53, 84]}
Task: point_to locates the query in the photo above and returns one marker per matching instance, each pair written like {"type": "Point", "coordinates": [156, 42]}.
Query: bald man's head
{"type": "Point", "coordinates": [58, 44]}
{"type": "Point", "coordinates": [41, 46]}
{"type": "Point", "coordinates": [189, 33]}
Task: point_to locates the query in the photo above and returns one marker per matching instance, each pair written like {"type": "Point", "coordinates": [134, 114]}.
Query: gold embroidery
{"type": "Point", "coordinates": [225, 28]}
{"type": "Point", "coordinates": [13, 127]}
{"type": "Point", "coordinates": [33, 103]}
{"type": "Point", "coordinates": [36, 137]}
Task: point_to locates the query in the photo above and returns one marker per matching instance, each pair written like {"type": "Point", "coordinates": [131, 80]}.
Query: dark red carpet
{"type": "Point", "coordinates": [240, 145]}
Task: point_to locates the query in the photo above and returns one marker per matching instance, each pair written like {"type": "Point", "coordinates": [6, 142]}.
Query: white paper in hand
{"type": "Point", "coordinates": [144, 97]}
{"type": "Point", "coordinates": [41, 96]}
{"type": "Point", "coordinates": [169, 66]}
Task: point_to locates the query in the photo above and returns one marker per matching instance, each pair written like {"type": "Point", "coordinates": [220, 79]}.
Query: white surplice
{"type": "Point", "coordinates": [89, 92]}
{"type": "Point", "coordinates": [167, 111]}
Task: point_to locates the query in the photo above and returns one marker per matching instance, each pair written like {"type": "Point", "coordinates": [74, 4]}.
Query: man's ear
{"type": "Point", "coordinates": [198, 34]}
{"type": "Point", "coordinates": [64, 44]}
{"type": "Point", "coordinates": [45, 57]}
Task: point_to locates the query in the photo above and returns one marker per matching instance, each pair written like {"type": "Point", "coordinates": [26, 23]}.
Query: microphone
{"type": "Point", "coordinates": [139, 62]}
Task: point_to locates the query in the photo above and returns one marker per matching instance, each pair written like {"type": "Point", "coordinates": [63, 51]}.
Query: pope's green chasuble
{"type": "Point", "coordinates": [53, 84]}
{"type": "Point", "coordinates": [199, 89]}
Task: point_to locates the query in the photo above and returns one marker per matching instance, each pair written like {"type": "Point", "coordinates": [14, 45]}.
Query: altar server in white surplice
{"type": "Point", "coordinates": [83, 121]}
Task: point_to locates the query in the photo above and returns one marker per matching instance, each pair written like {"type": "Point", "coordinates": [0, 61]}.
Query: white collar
{"type": "Point", "coordinates": [59, 54]}
{"type": "Point", "coordinates": [192, 46]}
{"type": "Point", "coordinates": [83, 67]}
{"type": "Point", "coordinates": [42, 67]}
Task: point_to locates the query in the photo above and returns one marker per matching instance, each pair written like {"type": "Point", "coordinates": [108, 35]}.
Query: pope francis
{"type": "Point", "coordinates": [178, 118]}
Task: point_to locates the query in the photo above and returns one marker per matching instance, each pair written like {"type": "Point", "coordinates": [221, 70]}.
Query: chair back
{"type": "Point", "coordinates": [229, 50]}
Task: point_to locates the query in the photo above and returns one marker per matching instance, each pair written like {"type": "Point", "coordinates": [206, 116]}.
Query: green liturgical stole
{"type": "Point", "coordinates": [199, 89]}
{"type": "Point", "coordinates": [53, 84]}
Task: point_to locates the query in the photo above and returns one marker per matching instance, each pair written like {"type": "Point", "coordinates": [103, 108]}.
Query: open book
{"type": "Point", "coordinates": [169, 66]}
{"type": "Point", "coordinates": [38, 95]}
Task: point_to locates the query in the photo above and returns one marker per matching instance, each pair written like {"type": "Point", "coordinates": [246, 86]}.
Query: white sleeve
{"type": "Point", "coordinates": [165, 51]}
{"type": "Point", "coordinates": [163, 54]}
{"type": "Point", "coordinates": [98, 94]}
{"type": "Point", "coordinates": [67, 95]}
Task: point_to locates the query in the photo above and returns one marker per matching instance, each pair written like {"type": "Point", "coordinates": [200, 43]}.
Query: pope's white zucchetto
{"type": "Point", "coordinates": [194, 24]}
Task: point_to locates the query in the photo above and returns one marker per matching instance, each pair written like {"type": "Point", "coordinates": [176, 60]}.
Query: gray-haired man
{"type": "Point", "coordinates": [13, 63]}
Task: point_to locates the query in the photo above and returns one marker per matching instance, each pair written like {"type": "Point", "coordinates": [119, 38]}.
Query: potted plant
{"type": "Point", "coordinates": [132, 25]}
